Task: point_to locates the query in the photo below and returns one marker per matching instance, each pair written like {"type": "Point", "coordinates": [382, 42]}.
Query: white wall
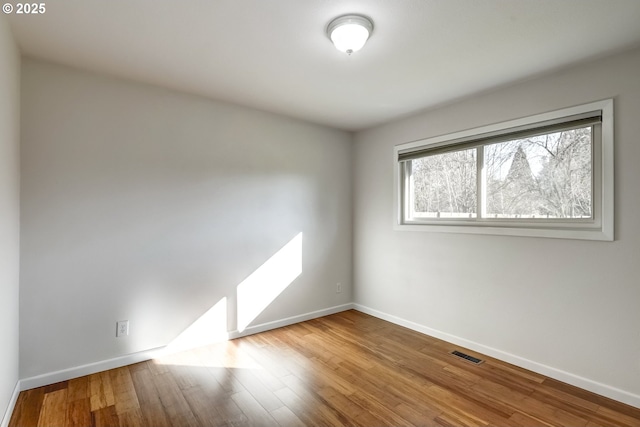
{"type": "Point", "coordinates": [9, 213]}
{"type": "Point", "coordinates": [568, 305]}
{"type": "Point", "coordinates": [144, 204]}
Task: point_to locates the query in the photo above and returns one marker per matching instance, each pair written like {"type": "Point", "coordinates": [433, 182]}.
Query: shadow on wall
{"type": "Point", "coordinates": [253, 295]}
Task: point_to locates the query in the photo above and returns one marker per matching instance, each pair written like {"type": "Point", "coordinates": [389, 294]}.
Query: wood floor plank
{"type": "Point", "coordinates": [56, 386]}
{"type": "Point", "coordinates": [604, 402]}
{"type": "Point", "coordinates": [422, 415]}
{"type": "Point", "coordinates": [186, 370]}
{"type": "Point", "coordinates": [175, 406]}
{"type": "Point", "coordinates": [606, 416]}
{"type": "Point", "coordinates": [347, 407]}
{"type": "Point", "coordinates": [496, 395]}
{"type": "Point", "coordinates": [202, 407]}
{"type": "Point", "coordinates": [467, 410]}
{"type": "Point", "coordinates": [148, 396]}
{"type": "Point", "coordinates": [154, 415]}
{"type": "Point", "coordinates": [124, 392]}
{"type": "Point", "coordinates": [285, 418]}
{"type": "Point", "coordinates": [79, 412]}
{"type": "Point", "coordinates": [215, 363]}
{"type": "Point", "coordinates": [101, 392]}
{"type": "Point", "coordinates": [54, 409]}
{"type": "Point", "coordinates": [230, 412]}
{"type": "Point", "coordinates": [566, 402]}
{"type": "Point", "coordinates": [347, 369]}
{"type": "Point", "coordinates": [78, 389]}
{"type": "Point", "coordinates": [260, 393]}
{"type": "Point", "coordinates": [138, 366]}
{"type": "Point", "coordinates": [269, 358]}
{"type": "Point", "coordinates": [550, 413]}
{"type": "Point", "coordinates": [310, 412]}
{"type": "Point", "coordinates": [333, 374]}
{"type": "Point", "coordinates": [131, 418]}
{"type": "Point", "coordinates": [524, 420]}
{"type": "Point", "coordinates": [104, 417]}
{"type": "Point", "coordinates": [157, 366]}
{"type": "Point", "coordinates": [28, 407]}
{"type": "Point", "coordinates": [256, 414]}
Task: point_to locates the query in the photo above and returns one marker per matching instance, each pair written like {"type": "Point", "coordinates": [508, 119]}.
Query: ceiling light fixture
{"type": "Point", "coordinates": [349, 32]}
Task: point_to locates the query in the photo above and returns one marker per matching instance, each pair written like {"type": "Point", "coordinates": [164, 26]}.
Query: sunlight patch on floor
{"type": "Point", "coordinates": [211, 327]}
{"type": "Point", "coordinates": [219, 355]}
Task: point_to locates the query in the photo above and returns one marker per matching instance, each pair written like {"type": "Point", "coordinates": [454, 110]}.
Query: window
{"type": "Point", "coordinates": [549, 175]}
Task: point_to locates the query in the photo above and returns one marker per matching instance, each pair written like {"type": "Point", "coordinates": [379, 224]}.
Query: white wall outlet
{"type": "Point", "coordinates": [338, 287]}
{"type": "Point", "coordinates": [122, 328]}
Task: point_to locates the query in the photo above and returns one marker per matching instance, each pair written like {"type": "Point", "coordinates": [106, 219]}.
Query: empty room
{"type": "Point", "coordinates": [320, 213]}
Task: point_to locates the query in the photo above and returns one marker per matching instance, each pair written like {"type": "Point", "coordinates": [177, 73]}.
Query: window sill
{"type": "Point", "coordinates": [601, 234]}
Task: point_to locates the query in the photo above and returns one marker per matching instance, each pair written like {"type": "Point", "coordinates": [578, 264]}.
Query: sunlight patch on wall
{"type": "Point", "coordinates": [264, 285]}
{"type": "Point", "coordinates": [210, 328]}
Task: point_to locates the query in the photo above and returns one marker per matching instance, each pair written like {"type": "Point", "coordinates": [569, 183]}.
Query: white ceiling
{"type": "Point", "coordinates": [274, 54]}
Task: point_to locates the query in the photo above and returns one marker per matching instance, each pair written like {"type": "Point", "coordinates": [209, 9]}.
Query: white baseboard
{"type": "Point", "coordinates": [262, 327]}
{"type": "Point", "coordinates": [290, 321]}
{"type": "Point", "coordinates": [88, 369]}
{"type": "Point", "coordinates": [12, 404]}
{"type": "Point", "coordinates": [117, 362]}
{"type": "Point", "coordinates": [558, 374]}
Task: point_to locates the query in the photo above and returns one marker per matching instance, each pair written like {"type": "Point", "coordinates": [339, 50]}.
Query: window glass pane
{"type": "Point", "coordinates": [546, 176]}
{"type": "Point", "coordinates": [444, 185]}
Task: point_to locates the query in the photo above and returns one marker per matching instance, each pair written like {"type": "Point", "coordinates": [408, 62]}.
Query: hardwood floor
{"type": "Point", "coordinates": [348, 369]}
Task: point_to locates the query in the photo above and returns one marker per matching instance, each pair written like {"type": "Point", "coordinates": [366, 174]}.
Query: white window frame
{"type": "Point", "coordinates": [600, 227]}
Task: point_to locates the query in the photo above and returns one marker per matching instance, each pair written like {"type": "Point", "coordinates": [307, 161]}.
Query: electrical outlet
{"type": "Point", "coordinates": [338, 287]}
{"type": "Point", "coordinates": [122, 328]}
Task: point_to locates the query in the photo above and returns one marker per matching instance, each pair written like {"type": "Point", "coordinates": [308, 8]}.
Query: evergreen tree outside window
{"type": "Point", "coordinates": [549, 176]}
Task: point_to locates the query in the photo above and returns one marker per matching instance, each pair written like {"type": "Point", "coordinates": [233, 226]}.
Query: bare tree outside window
{"type": "Point", "coordinates": [444, 185]}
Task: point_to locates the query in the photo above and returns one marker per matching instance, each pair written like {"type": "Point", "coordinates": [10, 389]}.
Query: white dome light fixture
{"type": "Point", "coordinates": [349, 32]}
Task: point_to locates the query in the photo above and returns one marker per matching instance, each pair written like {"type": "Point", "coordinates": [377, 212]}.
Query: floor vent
{"type": "Point", "coordinates": [466, 357]}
